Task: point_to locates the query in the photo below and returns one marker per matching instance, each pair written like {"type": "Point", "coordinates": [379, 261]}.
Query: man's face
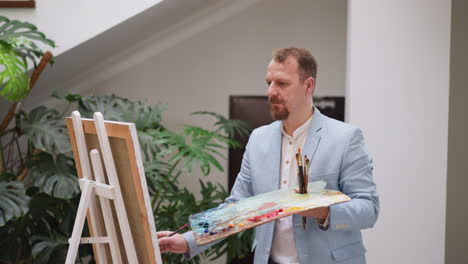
{"type": "Point", "coordinates": [285, 88]}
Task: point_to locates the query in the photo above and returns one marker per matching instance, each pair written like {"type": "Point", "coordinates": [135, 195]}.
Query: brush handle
{"type": "Point", "coordinates": [180, 228]}
{"type": "Point", "coordinates": [300, 181]}
{"type": "Point", "coordinates": [306, 177]}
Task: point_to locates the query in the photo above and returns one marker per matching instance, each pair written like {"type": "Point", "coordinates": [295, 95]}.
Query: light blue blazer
{"type": "Point", "coordinates": [338, 157]}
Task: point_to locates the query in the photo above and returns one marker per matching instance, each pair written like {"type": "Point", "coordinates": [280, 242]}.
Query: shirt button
{"type": "Point", "coordinates": [290, 142]}
{"type": "Point", "coordinates": [284, 182]}
{"type": "Point", "coordinates": [287, 162]}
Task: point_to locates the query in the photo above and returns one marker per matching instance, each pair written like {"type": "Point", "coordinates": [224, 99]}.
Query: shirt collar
{"type": "Point", "coordinates": [300, 130]}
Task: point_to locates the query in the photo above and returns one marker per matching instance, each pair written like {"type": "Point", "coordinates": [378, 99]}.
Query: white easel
{"type": "Point", "coordinates": [98, 188]}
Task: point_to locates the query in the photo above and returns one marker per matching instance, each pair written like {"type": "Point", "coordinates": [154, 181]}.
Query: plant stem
{"type": "Point", "coordinates": [6, 132]}
{"type": "Point", "coordinates": [10, 151]}
{"type": "Point", "coordinates": [158, 205]}
{"type": "Point", "coordinates": [19, 152]}
{"type": "Point", "coordinates": [173, 168]}
{"type": "Point", "coordinates": [2, 160]}
{"type": "Point", "coordinates": [153, 202]}
{"type": "Point", "coordinates": [25, 170]}
{"type": "Point", "coordinates": [34, 77]}
{"type": "Point", "coordinates": [66, 110]}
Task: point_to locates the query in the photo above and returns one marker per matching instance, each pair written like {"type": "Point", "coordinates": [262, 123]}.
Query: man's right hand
{"type": "Point", "coordinates": [174, 244]}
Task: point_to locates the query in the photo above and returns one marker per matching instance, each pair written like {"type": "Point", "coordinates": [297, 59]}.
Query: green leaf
{"type": "Point", "coordinates": [17, 44]}
{"type": "Point", "coordinates": [47, 216]}
{"type": "Point", "coordinates": [71, 98]}
{"type": "Point", "coordinates": [21, 33]}
{"type": "Point", "coordinates": [46, 130]}
{"type": "Point", "coordinates": [142, 114]}
{"type": "Point", "coordinates": [229, 126]}
{"type": "Point", "coordinates": [109, 105]}
{"type": "Point", "coordinates": [14, 78]}
{"type": "Point", "coordinates": [45, 247]}
{"type": "Point", "coordinates": [54, 177]}
{"type": "Point", "coordinates": [13, 201]}
{"type": "Point", "coordinates": [145, 117]}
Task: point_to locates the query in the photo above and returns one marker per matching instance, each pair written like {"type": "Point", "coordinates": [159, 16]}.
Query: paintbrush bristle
{"type": "Point", "coordinates": [298, 159]}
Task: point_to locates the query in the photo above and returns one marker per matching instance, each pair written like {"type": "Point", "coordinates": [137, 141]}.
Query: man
{"type": "Point", "coordinates": [338, 156]}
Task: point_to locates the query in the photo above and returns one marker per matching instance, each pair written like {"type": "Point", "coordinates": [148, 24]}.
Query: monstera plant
{"type": "Point", "coordinates": [18, 48]}
{"type": "Point", "coordinates": [39, 191]}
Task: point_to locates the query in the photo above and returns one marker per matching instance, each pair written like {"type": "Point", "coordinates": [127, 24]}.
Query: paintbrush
{"type": "Point", "coordinates": [300, 180]}
{"type": "Point", "coordinates": [306, 172]}
{"type": "Point", "coordinates": [300, 172]}
{"type": "Point", "coordinates": [180, 228]}
{"type": "Point", "coordinates": [306, 183]}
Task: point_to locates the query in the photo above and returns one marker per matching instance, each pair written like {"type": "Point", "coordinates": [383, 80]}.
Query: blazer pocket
{"type": "Point", "coordinates": [349, 251]}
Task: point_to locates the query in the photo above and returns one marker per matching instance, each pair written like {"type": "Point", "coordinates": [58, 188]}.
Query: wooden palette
{"type": "Point", "coordinates": [229, 219]}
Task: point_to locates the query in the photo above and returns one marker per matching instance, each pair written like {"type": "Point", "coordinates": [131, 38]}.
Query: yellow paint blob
{"type": "Point", "coordinates": [241, 224]}
{"type": "Point", "coordinates": [293, 209]}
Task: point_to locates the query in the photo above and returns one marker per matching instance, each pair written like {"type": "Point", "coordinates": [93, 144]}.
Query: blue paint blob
{"type": "Point", "coordinates": [206, 230]}
{"type": "Point", "coordinates": [212, 233]}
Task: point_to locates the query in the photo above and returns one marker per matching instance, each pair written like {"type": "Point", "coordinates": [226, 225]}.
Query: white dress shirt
{"type": "Point", "coordinates": [283, 248]}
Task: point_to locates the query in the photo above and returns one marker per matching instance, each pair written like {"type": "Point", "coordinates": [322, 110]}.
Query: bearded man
{"type": "Point", "coordinates": [338, 156]}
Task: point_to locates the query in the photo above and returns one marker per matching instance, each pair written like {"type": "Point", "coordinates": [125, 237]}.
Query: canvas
{"type": "Point", "coordinates": [123, 161]}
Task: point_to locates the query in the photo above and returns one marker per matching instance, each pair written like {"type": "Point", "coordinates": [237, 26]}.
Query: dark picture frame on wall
{"type": "Point", "coordinates": [18, 4]}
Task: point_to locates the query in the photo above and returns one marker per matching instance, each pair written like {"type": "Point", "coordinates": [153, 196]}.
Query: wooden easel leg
{"type": "Point", "coordinates": [106, 209]}
{"type": "Point", "coordinates": [98, 230]}
{"type": "Point", "coordinates": [94, 214]}
{"type": "Point", "coordinates": [114, 182]}
{"type": "Point", "coordinates": [85, 200]}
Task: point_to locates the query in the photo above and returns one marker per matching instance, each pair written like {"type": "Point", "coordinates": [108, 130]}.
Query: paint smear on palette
{"type": "Point", "coordinates": [228, 219]}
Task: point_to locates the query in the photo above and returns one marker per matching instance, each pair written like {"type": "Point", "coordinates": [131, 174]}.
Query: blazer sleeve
{"type": "Point", "coordinates": [242, 189]}
{"type": "Point", "coordinates": [356, 181]}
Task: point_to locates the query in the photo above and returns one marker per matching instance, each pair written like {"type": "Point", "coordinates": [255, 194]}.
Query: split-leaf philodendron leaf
{"type": "Point", "coordinates": [46, 130]}
{"type": "Point", "coordinates": [17, 46]}
{"type": "Point", "coordinates": [13, 201]}
{"type": "Point", "coordinates": [14, 78]}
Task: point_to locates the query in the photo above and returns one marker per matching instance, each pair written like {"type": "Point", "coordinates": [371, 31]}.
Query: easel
{"type": "Point", "coordinates": [100, 215]}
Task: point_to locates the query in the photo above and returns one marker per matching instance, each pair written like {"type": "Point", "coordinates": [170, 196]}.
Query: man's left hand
{"type": "Point", "coordinates": [320, 212]}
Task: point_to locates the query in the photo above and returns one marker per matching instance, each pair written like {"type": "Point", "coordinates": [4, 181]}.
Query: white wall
{"type": "Point", "coordinates": [397, 91]}
{"type": "Point", "coordinates": [229, 57]}
{"type": "Point", "coordinates": [70, 22]}
{"type": "Point", "coordinates": [457, 171]}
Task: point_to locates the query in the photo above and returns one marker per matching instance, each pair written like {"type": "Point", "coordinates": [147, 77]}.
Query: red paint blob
{"type": "Point", "coordinates": [266, 215]}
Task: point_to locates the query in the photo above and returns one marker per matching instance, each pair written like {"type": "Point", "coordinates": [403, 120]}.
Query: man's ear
{"type": "Point", "coordinates": [310, 85]}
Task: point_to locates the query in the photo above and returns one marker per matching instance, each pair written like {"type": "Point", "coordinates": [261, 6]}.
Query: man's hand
{"type": "Point", "coordinates": [320, 212]}
{"type": "Point", "coordinates": [174, 244]}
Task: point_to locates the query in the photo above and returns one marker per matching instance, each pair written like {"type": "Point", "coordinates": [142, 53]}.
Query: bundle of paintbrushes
{"type": "Point", "coordinates": [302, 176]}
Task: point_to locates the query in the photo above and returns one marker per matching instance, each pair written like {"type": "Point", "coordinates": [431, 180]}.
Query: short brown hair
{"type": "Point", "coordinates": [307, 63]}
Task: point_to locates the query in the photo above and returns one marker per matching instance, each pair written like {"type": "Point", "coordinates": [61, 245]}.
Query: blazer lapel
{"type": "Point", "coordinates": [275, 158]}
{"type": "Point", "coordinates": [313, 137]}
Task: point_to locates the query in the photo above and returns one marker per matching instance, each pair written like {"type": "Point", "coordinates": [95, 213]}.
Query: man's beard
{"type": "Point", "coordinates": [278, 109]}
